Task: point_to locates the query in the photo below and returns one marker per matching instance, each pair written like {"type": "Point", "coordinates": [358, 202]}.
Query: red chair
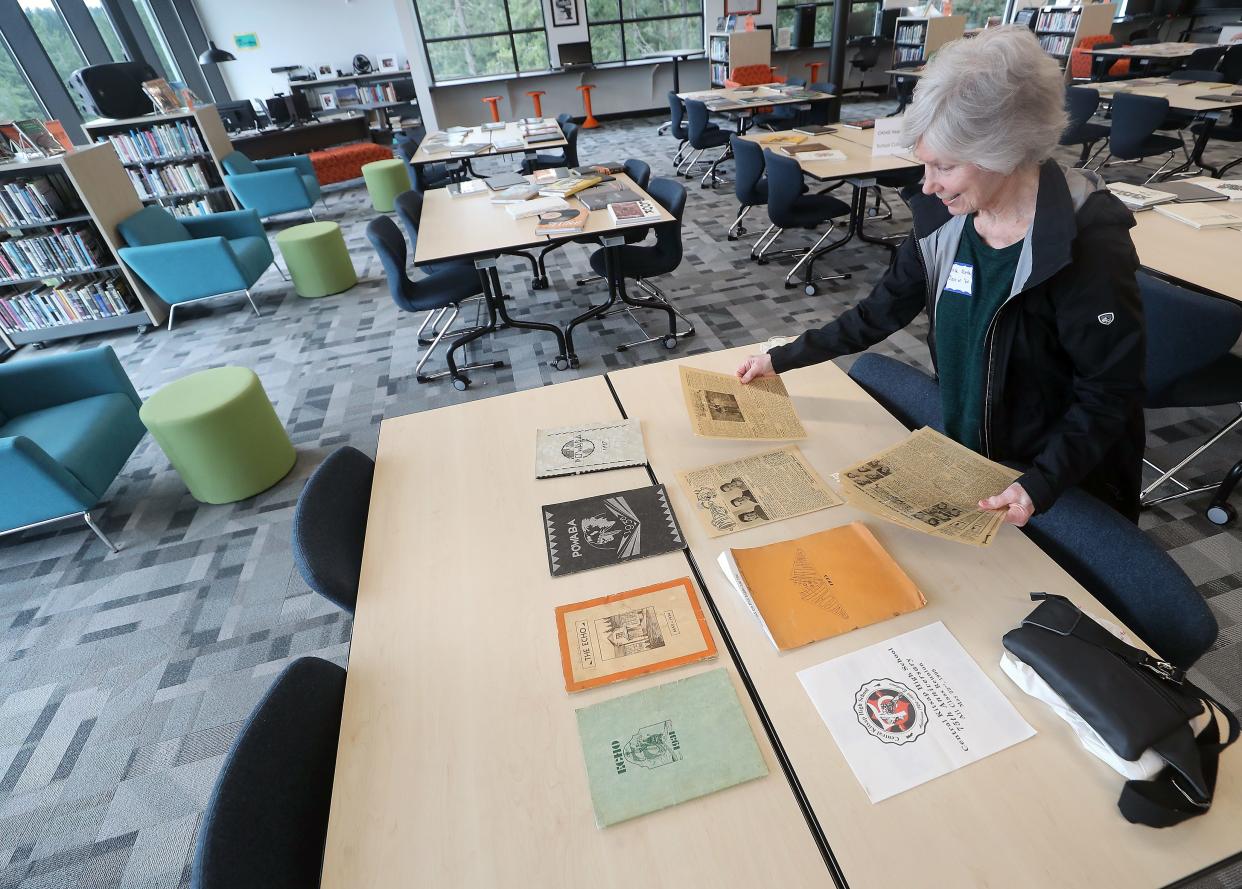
{"type": "Point", "coordinates": [534, 97]}
{"type": "Point", "coordinates": [590, 123]}
{"type": "Point", "coordinates": [1080, 58]}
{"type": "Point", "coordinates": [494, 101]}
{"type": "Point", "coordinates": [752, 75]}
{"type": "Point", "coordinates": [814, 66]}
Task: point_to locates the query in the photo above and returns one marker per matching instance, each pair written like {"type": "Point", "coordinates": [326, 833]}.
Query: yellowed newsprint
{"type": "Point", "coordinates": [932, 484]}
{"type": "Point", "coordinates": [721, 407]}
{"type": "Point", "coordinates": [755, 490]}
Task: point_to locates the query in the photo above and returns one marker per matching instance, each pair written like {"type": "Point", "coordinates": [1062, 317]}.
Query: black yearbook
{"type": "Point", "coordinates": [610, 528]}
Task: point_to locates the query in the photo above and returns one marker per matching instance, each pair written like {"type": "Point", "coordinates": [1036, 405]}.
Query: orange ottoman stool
{"type": "Point", "coordinates": [344, 162]}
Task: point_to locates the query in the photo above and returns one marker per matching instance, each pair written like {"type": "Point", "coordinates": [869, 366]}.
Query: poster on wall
{"type": "Point", "coordinates": [564, 13]}
{"type": "Point", "coordinates": [246, 41]}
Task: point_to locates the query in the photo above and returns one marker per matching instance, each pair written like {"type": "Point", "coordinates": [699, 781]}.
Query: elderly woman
{"type": "Point", "coordinates": [1027, 274]}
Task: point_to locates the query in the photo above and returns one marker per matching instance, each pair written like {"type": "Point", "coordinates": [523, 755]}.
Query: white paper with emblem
{"type": "Point", "coordinates": [910, 709]}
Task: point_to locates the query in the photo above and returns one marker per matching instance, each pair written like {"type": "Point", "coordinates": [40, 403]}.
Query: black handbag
{"type": "Point", "coordinates": [1134, 701]}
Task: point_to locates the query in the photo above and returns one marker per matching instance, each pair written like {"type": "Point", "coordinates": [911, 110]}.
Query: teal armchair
{"type": "Point", "coordinates": [279, 185]}
{"type": "Point", "coordinates": [68, 423]}
{"type": "Point", "coordinates": [196, 257]}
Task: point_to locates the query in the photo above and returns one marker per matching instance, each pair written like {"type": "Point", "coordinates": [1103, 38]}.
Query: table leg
{"type": "Point", "coordinates": [676, 75]}
{"type": "Point", "coordinates": [612, 247]}
{"type": "Point", "coordinates": [1201, 141]}
{"type": "Point", "coordinates": [497, 300]}
{"type": "Point", "coordinates": [460, 381]}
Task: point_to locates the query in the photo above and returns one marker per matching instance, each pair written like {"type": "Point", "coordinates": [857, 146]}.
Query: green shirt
{"type": "Point", "coordinates": [979, 282]}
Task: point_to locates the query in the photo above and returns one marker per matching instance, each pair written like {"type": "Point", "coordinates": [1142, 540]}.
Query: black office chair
{"type": "Point", "coordinates": [330, 523]}
{"type": "Point", "coordinates": [1190, 363]}
{"type": "Point", "coordinates": [1133, 137]}
{"type": "Point", "coordinates": [567, 158]}
{"type": "Point", "coordinates": [750, 186]}
{"type": "Point", "coordinates": [1101, 549]}
{"type": "Point", "coordinates": [781, 117]}
{"type": "Point", "coordinates": [866, 57]}
{"type": "Point", "coordinates": [790, 207]}
{"type": "Point", "coordinates": [445, 288]}
{"type": "Point", "coordinates": [1231, 64]}
{"type": "Point", "coordinates": [435, 175]}
{"type": "Point", "coordinates": [639, 171]}
{"type": "Point", "coordinates": [821, 113]}
{"type": "Point", "coordinates": [1081, 103]}
{"type": "Point", "coordinates": [677, 126]}
{"type": "Point", "coordinates": [641, 262]}
{"type": "Point", "coordinates": [1205, 59]}
{"type": "Point", "coordinates": [267, 820]}
{"type": "Point", "coordinates": [1222, 132]}
{"type": "Point", "coordinates": [703, 137]}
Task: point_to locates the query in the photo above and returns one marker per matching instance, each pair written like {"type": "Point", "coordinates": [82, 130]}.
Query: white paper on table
{"type": "Point", "coordinates": [910, 709]}
{"type": "Point", "coordinates": [887, 139]}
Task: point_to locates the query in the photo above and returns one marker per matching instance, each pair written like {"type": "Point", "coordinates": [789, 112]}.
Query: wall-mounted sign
{"type": "Point", "coordinates": [246, 41]}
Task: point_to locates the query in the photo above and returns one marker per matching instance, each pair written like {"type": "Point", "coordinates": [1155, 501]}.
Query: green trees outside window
{"type": "Point", "coordinates": [478, 38]}
{"type": "Point", "coordinates": [623, 30]}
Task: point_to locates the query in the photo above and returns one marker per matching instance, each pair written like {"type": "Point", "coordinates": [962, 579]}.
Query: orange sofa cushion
{"type": "Point", "coordinates": [345, 162]}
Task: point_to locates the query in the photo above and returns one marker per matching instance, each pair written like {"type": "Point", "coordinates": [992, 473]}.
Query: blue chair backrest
{"type": "Point", "coordinates": [330, 524]}
{"type": "Point", "coordinates": [1204, 74]}
{"type": "Point", "coordinates": [152, 225]}
{"type": "Point", "coordinates": [795, 81]}
{"type": "Point", "coordinates": [237, 163]}
{"type": "Point", "coordinates": [1186, 332]}
{"type": "Point", "coordinates": [571, 131]}
{"type": "Point", "coordinates": [819, 112]}
{"type": "Point", "coordinates": [675, 115]}
{"type": "Point", "coordinates": [1134, 119]}
{"type": "Point", "coordinates": [784, 187]}
{"type": "Point", "coordinates": [1080, 104]}
{"type": "Point", "coordinates": [696, 120]}
{"type": "Point", "coordinates": [1231, 64]}
{"type": "Point", "coordinates": [409, 207]}
{"type": "Point", "coordinates": [671, 195]}
{"type": "Point", "coordinates": [386, 238]}
{"type": "Point", "coordinates": [564, 119]}
{"type": "Point", "coordinates": [405, 149]}
{"type": "Point", "coordinates": [639, 171]}
{"type": "Point", "coordinates": [747, 170]}
{"type": "Point", "coordinates": [267, 819]}
{"type": "Point", "coordinates": [1205, 59]}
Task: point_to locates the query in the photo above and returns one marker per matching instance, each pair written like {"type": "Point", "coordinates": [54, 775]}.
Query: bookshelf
{"type": "Point", "coordinates": [172, 159]}
{"type": "Point", "coordinates": [733, 49]}
{"type": "Point", "coordinates": [60, 275]}
{"type": "Point", "coordinates": [916, 37]}
{"type": "Point", "coordinates": [1059, 28]}
{"type": "Point", "coordinates": [379, 91]}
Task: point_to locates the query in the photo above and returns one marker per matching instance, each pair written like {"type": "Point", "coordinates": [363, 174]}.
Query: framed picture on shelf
{"type": "Point", "coordinates": [328, 101]}
{"type": "Point", "coordinates": [346, 96]}
{"type": "Point", "coordinates": [388, 63]}
{"type": "Point", "coordinates": [564, 13]}
{"type": "Point", "coordinates": [743, 7]}
{"type": "Point", "coordinates": [324, 70]}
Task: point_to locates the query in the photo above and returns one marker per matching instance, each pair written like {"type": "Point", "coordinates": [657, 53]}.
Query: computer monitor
{"type": "Point", "coordinates": [237, 116]}
{"type": "Point", "coordinates": [287, 110]}
{"type": "Point", "coordinates": [576, 55]}
{"type": "Point", "coordinates": [301, 107]}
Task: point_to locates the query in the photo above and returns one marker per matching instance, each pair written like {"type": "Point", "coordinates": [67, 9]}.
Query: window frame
{"type": "Point", "coordinates": [818, 4]}
{"type": "Point", "coordinates": [511, 33]}
{"type": "Point", "coordinates": [621, 21]}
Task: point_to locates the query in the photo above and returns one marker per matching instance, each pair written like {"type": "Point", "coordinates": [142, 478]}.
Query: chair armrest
{"type": "Point", "coordinates": [231, 224]}
{"type": "Point", "coordinates": [282, 189]}
{"type": "Point", "coordinates": [50, 380]}
{"type": "Point", "coordinates": [300, 162]}
{"type": "Point", "coordinates": [184, 270]}
{"type": "Point", "coordinates": [37, 488]}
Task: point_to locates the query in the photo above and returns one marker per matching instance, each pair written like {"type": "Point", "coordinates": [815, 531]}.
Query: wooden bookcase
{"type": "Point", "coordinates": [205, 121]}
{"type": "Point", "coordinates": [104, 196]}
{"type": "Point", "coordinates": [733, 49]}
{"type": "Point", "coordinates": [1059, 28]}
{"type": "Point", "coordinates": [916, 37]}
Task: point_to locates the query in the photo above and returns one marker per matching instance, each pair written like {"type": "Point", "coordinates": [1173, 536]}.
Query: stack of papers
{"type": "Point", "coordinates": [1201, 215]}
{"type": "Point", "coordinates": [535, 207]}
{"type": "Point", "coordinates": [1138, 197]}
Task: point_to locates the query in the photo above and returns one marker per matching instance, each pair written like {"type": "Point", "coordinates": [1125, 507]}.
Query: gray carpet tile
{"type": "Point", "coordinates": [127, 675]}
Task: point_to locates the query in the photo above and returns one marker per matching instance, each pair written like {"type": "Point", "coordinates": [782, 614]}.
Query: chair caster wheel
{"type": "Point", "coordinates": [762, 261]}
{"type": "Point", "coordinates": [731, 237]}
{"type": "Point", "coordinates": [790, 285]}
{"type": "Point", "coordinates": [1223, 515]}
{"type": "Point", "coordinates": [670, 342]}
{"type": "Point", "coordinates": [560, 362]}
{"type": "Point", "coordinates": [574, 363]}
{"type": "Point", "coordinates": [810, 290]}
{"type": "Point", "coordinates": [623, 348]}
{"type": "Point", "coordinates": [539, 284]}
{"type": "Point", "coordinates": [461, 383]}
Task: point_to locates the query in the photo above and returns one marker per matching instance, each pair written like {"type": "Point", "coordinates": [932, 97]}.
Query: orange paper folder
{"type": "Point", "coordinates": [821, 585]}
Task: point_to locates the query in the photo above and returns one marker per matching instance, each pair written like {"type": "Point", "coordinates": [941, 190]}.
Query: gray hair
{"type": "Point", "coordinates": [996, 100]}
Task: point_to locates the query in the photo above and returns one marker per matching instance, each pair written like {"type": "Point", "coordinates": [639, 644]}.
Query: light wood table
{"type": "Point", "coordinates": [459, 765]}
{"type": "Point", "coordinates": [1182, 95]}
{"type": "Point", "coordinates": [1040, 814]}
{"type": "Point", "coordinates": [1206, 259]}
{"type": "Point", "coordinates": [729, 101]}
{"type": "Point", "coordinates": [471, 227]}
{"type": "Point", "coordinates": [478, 134]}
{"type": "Point", "coordinates": [1152, 51]}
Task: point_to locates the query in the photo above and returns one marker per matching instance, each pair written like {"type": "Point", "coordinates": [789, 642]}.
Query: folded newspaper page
{"type": "Point", "coordinates": [932, 484]}
{"type": "Point", "coordinates": [754, 490]}
{"type": "Point", "coordinates": [721, 407]}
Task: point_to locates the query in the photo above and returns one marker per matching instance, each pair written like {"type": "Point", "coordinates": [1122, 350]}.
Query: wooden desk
{"type": "Point", "coordinates": [771, 96]}
{"type": "Point", "coordinates": [459, 763]}
{"type": "Point", "coordinates": [1152, 51]}
{"type": "Point", "coordinates": [302, 138]}
{"type": "Point", "coordinates": [1040, 814]}
{"type": "Point", "coordinates": [1181, 94]}
{"type": "Point", "coordinates": [478, 134]}
{"type": "Point", "coordinates": [858, 161]}
{"type": "Point", "coordinates": [1206, 259]}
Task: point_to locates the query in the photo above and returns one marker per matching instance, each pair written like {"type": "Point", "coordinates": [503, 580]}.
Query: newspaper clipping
{"type": "Point", "coordinates": [721, 407]}
{"type": "Point", "coordinates": [755, 490]}
{"type": "Point", "coordinates": [932, 484]}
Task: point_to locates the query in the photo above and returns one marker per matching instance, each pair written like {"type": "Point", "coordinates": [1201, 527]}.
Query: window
{"type": "Point", "coordinates": [505, 37]}
{"type": "Point", "coordinates": [53, 32]}
{"type": "Point", "coordinates": [107, 30]}
{"type": "Point", "coordinates": [17, 97]}
{"type": "Point", "coordinates": [861, 22]}
{"type": "Point", "coordinates": [978, 12]}
{"type": "Point", "coordinates": [624, 30]}
{"type": "Point", "coordinates": [151, 25]}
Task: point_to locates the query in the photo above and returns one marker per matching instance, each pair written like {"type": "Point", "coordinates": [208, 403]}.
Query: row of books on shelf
{"type": "Point", "coordinates": [171, 179]}
{"type": "Point", "coordinates": [908, 54]}
{"type": "Point", "coordinates": [911, 33]}
{"type": "Point", "coordinates": [217, 202]}
{"type": "Point", "coordinates": [160, 142]}
{"type": "Point", "coordinates": [1058, 20]}
{"type": "Point", "coordinates": [720, 73]}
{"type": "Point", "coordinates": [41, 308]}
{"type": "Point", "coordinates": [718, 49]}
{"type": "Point", "coordinates": [1057, 45]}
{"type": "Point", "coordinates": [37, 199]}
{"type": "Point", "coordinates": [64, 250]}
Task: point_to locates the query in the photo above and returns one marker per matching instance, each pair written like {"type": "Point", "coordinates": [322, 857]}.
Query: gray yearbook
{"type": "Point", "coordinates": [609, 529]}
{"type": "Point", "coordinates": [570, 450]}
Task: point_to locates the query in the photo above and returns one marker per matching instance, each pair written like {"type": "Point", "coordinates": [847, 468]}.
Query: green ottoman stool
{"type": "Point", "coordinates": [220, 434]}
{"type": "Point", "coordinates": [317, 258]}
{"type": "Point", "coordinates": [385, 180]}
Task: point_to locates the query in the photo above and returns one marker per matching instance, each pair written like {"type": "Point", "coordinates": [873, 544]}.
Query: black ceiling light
{"type": "Point", "coordinates": [214, 55]}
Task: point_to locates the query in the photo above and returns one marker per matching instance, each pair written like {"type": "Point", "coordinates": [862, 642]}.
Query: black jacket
{"type": "Point", "coordinates": [1066, 351]}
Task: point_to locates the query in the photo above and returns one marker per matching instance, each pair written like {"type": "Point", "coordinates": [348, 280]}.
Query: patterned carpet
{"type": "Point", "coordinates": [127, 675]}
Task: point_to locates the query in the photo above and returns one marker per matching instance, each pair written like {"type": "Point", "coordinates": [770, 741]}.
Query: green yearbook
{"type": "Point", "coordinates": [664, 745]}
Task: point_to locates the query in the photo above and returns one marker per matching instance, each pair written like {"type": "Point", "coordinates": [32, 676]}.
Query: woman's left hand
{"type": "Point", "coordinates": [1016, 503]}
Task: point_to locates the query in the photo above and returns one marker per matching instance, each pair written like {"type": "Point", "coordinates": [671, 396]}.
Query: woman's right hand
{"type": "Point", "coordinates": [755, 366]}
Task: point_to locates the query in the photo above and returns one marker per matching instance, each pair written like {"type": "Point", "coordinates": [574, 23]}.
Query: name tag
{"type": "Point", "coordinates": [961, 279]}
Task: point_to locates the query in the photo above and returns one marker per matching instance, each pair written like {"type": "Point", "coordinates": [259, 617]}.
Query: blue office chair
{"type": "Point", "coordinates": [1231, 64]}
{"type": "Point", "coordinates": [750, 186]}
{"type": "Point", "coordinates": [639, 171]}
{"type": "Point", "coordinates": [821, 113]}
{"type": "Point", "coordinates": [267, 820]}
{"type": "Point", "coordinates": [1180, 120]}
{"type": "Point", "coordinates": [677, 126]}
{"type": "Point", "coordinates": [567, 158]}
{"type": "Point", "coordinates": [642, 262]}
{"type": "Point", "coordinates": [1097, 546]}
{"type": "Point", "coordinates": [781, 117]}
{"type": "Point", "coordinates": [443, 288]}
{"type": "Point", "coordinates": [703, 137]}
{"type": "Point", "coordinates": [426, 176]}
{"type": "Point", "coordinates": [1190, 363]}
{"type": "Point", "coordinates": [1133, 137]}
{"type": "Point", "coordinates": [269, 187]}
{"type": "Point", "coordinates": [1080, 105]}
{"type": "Point", "coordinates": [790, 207]}
{"type": "Point", "coordinates": [330, 524]}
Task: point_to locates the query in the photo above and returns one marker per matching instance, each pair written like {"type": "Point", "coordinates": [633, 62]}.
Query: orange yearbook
{"type": "Point", "coordinates": [821, 585]}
